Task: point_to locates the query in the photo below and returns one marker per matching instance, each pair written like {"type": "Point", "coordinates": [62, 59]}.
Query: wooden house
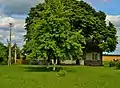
{"type": "Point", "coordinates": [92, 54]}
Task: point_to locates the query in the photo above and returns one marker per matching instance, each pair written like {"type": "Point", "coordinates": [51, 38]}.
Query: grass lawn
{"type": "Point", "coordinates": [23, 76]}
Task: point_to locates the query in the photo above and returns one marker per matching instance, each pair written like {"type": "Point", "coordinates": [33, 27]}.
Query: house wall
{"type": "Point", "coordinates": [68, 62]}
{"type": "Point", "coordinates": [109, 58]}
{"type": "Point", "coordinates": [91, 60]}
{"type": "Point", "coordinates": [89, 56]}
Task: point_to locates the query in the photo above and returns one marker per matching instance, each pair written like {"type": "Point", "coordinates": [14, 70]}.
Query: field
{"type": "Point", "coordinates": [24, 76]}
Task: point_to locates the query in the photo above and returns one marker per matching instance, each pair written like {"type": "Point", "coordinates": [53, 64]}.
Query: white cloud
{"type": "Point", "coordinates": [17, 29]}
{"type": "Point", "coordinates": [4, 21]}
{"type": "Point", "coordinates": [114, 19]}
{"type": "Point", "coordinates": [14, 8]}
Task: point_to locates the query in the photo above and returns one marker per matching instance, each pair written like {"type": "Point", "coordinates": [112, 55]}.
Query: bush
{"type": "Point", "coordinates": [3, 63]}
{"type": "Point", "coordinates": [118, 65]}
{"type": "Point", "coordinates": [115, 64]}
{"type": "Point", "coordinates": [62, 73]}
{"type": "Point", "coordinates": [112, 64]}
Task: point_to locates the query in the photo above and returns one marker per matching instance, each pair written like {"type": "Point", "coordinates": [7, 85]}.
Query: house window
{"type": "Point", "coordinates": [89, 56]}
{"type": "Point", "coordinates": [94, 56]}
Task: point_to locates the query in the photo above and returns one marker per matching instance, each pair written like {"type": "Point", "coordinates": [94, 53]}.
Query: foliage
{"type": "Point", "coordinates": [93, 24]}
{"type": "Point", "coordinates": [110, 39]}
{"type": "Point", "coordinates": [115, 64]}
{"type": "Point", "coordinates": [62, 73]}
{"type": "Point", "coordinates": [61, 29]}
{"type": "Point", "coordinates": [3, 52]}
{"type": "Point", "coordinates": [118, 65]}
{"type": "Point", "coordinates": [17, 51]}
{"type": "Point", "coordinates": [50, 35]}
{"type": "Point", "coordinates": [112, 64]}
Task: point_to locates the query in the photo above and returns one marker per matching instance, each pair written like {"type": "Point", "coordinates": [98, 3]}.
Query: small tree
{"type": "Point", "coordinates": [3, 53]}
{"type": "Point", "coordinates": [15, 52]}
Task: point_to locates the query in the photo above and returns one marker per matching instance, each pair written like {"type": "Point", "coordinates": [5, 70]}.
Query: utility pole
{"type": "Point", "coordinates": [15, 53]}
{"type": "Point", "coordinates": [9, 59]}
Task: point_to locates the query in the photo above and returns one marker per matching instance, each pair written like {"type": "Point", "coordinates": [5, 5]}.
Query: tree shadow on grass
{"type": "Point", "coordinates": [44, 69]}
{"type": "Point", "coordinates": [41, 69]}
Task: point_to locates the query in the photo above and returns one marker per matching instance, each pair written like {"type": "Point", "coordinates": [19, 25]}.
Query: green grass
{"type": "Point", "coordinates": [77, 77]}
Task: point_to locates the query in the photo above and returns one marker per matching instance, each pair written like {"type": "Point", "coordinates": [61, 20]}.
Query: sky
{"type": "Point", "coordinates": [15, 11]}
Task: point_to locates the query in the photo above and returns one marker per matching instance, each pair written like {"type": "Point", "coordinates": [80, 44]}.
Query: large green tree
{"type": "Point", "coordinates": [49, 33]}
{"type": "Point", "coordinates": [61, 28]}
{"type": "Point", "coordinates": [93, 24]}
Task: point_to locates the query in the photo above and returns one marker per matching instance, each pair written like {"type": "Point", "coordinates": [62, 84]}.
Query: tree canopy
{"type": "Point", "coordinates": [61, 29]}
{"type": "Point", "coordinates": [3, 52]}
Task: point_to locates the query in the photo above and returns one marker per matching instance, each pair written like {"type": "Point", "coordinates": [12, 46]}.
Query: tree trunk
{"type": "Point", "coordinates": [48, 61]}
{"type": "Point", "coordinates": [101, 61]}
{"type": "Point", "coordinates": [54, 64]}
{"type": "Point", "coordinates": [58, 61]}
{"type": "Point", "coordinates": [71, 58]}
{"type": "Point", "coordinates": [48, 64]}
{"type": "Point", "coordinates": [8, 62]}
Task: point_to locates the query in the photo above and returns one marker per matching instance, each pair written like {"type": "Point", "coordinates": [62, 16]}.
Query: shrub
{"type": "Point", "coordinates": [112, 64]}
{"type": "Point", "coordinates": [26, 62]}
{"type": "Point", "coordinates": [62, 73]}
{"type": "Point", "coordinates": [117, 65]}
{"type": "Point", "coordinates": [3, 63]}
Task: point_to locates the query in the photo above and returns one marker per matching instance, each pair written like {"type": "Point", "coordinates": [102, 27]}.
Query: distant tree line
{"type": "Point", "coordinates": [4, 52]}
